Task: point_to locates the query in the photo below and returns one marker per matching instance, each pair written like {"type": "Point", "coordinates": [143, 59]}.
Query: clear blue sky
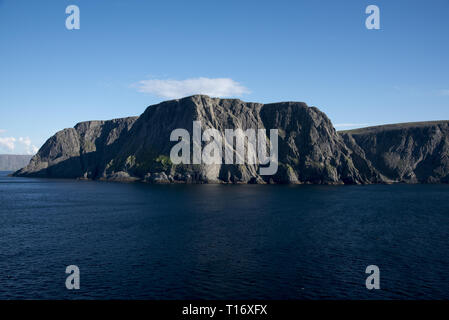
{"type": "Point", "coordinates": [314, 51]}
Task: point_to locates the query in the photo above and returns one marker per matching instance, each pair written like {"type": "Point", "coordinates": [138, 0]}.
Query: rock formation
{"type": "Point", "coordinates": [310, 149]}
{"type": "Point", "coordinates": [408, 152]}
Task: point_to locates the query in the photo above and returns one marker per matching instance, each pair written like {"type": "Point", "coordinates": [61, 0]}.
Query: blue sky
{"type": "Point", "coordinates": [134, 53]}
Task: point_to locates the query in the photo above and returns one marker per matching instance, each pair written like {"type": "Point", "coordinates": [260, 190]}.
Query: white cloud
{"type": "Point", "coordinates": [347, 125]}
{"type": "Point", "coordinates": [29, 147]}
{"type": "Point", "coordinates": [8, 143]}
{"type": "Point", "coordinates": [2, 131]}
{"type": "Point", "coordinates": [172, 89]}
{"type": "Point", "coordinates": [444, 92]}
{"type": "Point", "coordinates": [22, 143]}
{"type": "Point", "coordinates": [26, 141]}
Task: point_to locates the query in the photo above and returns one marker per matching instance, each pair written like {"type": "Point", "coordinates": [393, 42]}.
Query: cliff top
{"type": "Point", "coordinates": [395, 126]}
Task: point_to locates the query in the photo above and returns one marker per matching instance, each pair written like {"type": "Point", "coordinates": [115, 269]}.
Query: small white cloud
{"type": "Point", "coordinates": [2, 131]}
{"type": "Point", "coordinates": [173, 89]}
{"type": "Point", "coordinates": [347, 125]}
{"type": "Point", "coordinates": [26, 141]}
{"type": "Point", "coordinates": [444, 92]}
{"type": "Point", "coordinates": [8, 143]}
{"type": "Point", "coordinates": [29, 148]}
{"type": "Point", "coordinates": [21, 144]}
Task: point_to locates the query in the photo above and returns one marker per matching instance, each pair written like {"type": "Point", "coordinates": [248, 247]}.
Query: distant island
{"type": "Point", "coordinates": [13, 162]}
{"type": "Point", "coordinates": [311, 151]}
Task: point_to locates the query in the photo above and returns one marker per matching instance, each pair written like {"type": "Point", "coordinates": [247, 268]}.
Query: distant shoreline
{"type": "Point", "coordinates": [13, 162]}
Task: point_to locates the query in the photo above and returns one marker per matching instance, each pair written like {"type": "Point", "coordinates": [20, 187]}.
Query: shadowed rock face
{"type": "Point", "coordinates": [310, 150]}
{"type": "Point", "coordinates": [409, 152]}
{"type": "Point", "coordinates": [79, 152]}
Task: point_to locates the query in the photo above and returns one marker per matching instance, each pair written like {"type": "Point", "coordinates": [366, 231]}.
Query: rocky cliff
{"type": "Point", "coordinates": [12, 162]}
{"type": "Point", "coordinates": [79, 152]}
{"type": "Point", "coordinates": [309, 148]}
{"type": "Point", "coordinates": [407, 152]}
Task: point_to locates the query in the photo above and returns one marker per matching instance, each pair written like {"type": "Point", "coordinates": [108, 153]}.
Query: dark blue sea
{"type": "Point", "coordinates": [140, 241]}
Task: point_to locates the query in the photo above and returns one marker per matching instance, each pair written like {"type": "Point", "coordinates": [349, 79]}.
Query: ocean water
{"type": "Point", "coordinates": [139, 241]}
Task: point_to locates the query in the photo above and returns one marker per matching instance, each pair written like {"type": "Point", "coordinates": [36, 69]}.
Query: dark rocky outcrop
{"type": "Point", "coordinates": [310, 149]}
{"type": "Point", "coordinates": [408, 152]}
{"type": "Point", "coordinates": [79, 152]}
{"type": "Point", "coordinates": [12, 162]}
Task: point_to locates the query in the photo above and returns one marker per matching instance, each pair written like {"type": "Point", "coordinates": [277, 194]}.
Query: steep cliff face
{"type": "Point", "coordinates": [408, 152]}
{"type": "Point", "coordinates": [309, 148]}
{"type": "Point", "coordinates": [79, 152]}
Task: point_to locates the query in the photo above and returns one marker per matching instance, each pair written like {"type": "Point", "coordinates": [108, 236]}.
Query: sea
{"type": "Point", "coordinates": [143, 241]}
